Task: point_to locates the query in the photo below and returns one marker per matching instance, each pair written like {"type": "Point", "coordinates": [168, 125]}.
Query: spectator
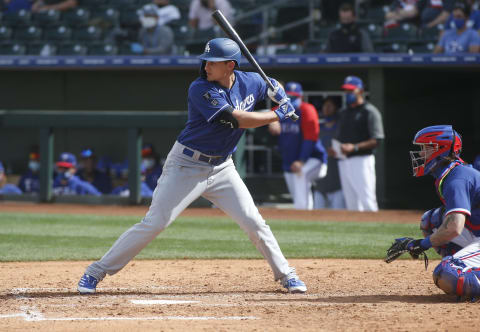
{"type": "Point", "coordinates": [124, 190]}
{"type": "Point", "coordinates": [166, 12]}
{"type": "Point", "coordinates": [151, 166]}
{"type": "Point", "coordinates": [328, 191]}
{"type": "Point", "coordinates": [13, 6]}
{"type": "Point", "coordinates": [303, 157]}
{"type": "Point", "coordinates": [153, 38]}
{"type": "Point", "coordinates": [29, 182]}
{"type": "Point", "coordinates": [459, 39]}
{"type": "Point", "coordinates": [399, 11]}
{"type": "Point", "coordinates": [89, 172]}
{"type": "Point", "coordinates": [348, 38]}
{"type": "Point", "coordinates": [7, 188]}
{"type": "Point", "coordinates": [359, 130]}
{"type": "Point", "coordinates": [60, 5]}
{"type": "Point", "coordinates": [200, 15]}
{"type": "Point", "coordinates": [66, 182]}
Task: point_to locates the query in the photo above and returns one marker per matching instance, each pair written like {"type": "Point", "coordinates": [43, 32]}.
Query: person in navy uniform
{"type": "Point", "coordinates": [89, 172]}
{"type": "Point", "coordinates": [66, 182]}
{"type": "Point", "coordinates": [29, 182]}
{"type": "Point", "coordinates": [220, 107]}
{"type": "Point", "coordinates": [151, 168]}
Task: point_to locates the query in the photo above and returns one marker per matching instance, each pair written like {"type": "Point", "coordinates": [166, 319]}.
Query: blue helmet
{"type": "Point", "coordinates": [221, 49]}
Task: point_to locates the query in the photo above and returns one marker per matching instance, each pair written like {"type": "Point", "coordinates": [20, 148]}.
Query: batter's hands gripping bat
{"type": "Point", "coordinates": [230, 31]}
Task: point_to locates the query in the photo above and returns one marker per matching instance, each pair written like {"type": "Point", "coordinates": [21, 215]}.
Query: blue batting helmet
{"type": "Point", "coordinates": [221, 49]}
{"type": "Point", "coordinates": [436, 143]}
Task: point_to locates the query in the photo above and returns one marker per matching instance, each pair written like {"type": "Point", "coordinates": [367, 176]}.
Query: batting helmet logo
{"type": "Point", "coordinates": [207, 48]}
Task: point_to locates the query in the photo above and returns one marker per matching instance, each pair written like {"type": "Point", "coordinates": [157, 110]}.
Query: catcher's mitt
{"type": "Point", "coordinates": [401, 246]}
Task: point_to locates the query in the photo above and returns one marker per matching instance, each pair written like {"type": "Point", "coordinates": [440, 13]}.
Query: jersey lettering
{"type": "Point", "coordinates": [246, 104]}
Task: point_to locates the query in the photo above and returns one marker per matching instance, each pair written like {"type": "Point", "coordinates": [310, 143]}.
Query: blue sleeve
{"type": "Point", "coordinates": [475, 39]}
{"type": "Point", "coordinates": [306, 149]}
{"type": "Point", "coordinates": [83, 187]}
{"type": "Point", "coordinates": [262, 87]}
{"type": "Point", "coordinates": [457, 196]}
{"type": "Point", "coordinates": [475, 17]}
{"type": "Point", "coordinates": [207, 99]}
{"type": "Point", "coordinates": [443, 40]}
{"type": "Point", "coordinates": [145, 190]}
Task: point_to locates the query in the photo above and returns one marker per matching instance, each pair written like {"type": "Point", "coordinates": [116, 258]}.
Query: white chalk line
{"type": "Point", "coordinates": [23, 290]}
{"type": "Point", "coordinates": [32, 315]}
{"type": "Point", "coordinates": [150, 302]}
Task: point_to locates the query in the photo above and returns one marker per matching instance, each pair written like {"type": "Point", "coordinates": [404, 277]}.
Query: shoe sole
{"type": "Point", "coordinates": [297, 290]}
{"type": "Point", "coordinates": [83, 290]}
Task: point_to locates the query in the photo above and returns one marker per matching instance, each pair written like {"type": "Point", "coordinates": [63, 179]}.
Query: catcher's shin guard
{"type": "Point", "coordinates": [455, 278]}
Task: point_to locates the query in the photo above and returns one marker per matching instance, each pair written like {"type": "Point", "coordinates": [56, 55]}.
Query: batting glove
{"type": "Point", "coordinates": [285, 110]}
{"type": "Point", "coordinates": [278, 94]}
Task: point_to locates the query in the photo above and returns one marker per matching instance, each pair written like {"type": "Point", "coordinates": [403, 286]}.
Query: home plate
{"type": "Point", "coordinates": [162, 302]}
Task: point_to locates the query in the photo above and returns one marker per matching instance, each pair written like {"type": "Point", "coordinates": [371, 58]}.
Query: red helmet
{"type": "Point", "coordinates": [436, 143]}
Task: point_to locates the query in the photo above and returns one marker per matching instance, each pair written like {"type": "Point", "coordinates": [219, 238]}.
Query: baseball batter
{"type": "Point", "coordinates": [220, 107]}
{"type": "Point", "coordinates": [454, 230]}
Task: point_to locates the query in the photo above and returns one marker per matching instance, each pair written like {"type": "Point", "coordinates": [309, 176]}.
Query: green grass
{"type": "Point", "coordinates": [40, 237]}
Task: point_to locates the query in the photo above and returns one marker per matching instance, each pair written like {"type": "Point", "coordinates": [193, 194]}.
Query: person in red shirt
{"type": "Point", "coordinates": [304, 158]}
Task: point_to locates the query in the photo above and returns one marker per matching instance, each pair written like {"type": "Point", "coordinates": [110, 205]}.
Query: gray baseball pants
{"type": "Point", "coordinates": [183, 180]}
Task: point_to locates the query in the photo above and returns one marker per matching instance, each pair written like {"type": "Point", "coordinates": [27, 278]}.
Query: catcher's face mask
{"type": "Point", "coordinates": [421, 156]}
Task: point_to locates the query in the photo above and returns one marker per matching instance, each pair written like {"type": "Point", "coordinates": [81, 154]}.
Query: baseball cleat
{"type": "Point", "coordinates": [295, 285]}
{"type": "Point", "coordinates": [87, 284]}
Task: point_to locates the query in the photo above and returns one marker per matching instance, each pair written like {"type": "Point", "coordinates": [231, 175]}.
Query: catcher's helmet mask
{"type": "Point", "coordinates": [436, 144]}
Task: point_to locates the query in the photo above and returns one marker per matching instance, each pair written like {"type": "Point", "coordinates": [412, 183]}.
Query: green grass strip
{"type": "Point", "coordinates": [42, 237]}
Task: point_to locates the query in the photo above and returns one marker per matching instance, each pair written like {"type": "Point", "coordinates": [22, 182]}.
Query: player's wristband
{"type": "Point", "coordinates": [426, 243]}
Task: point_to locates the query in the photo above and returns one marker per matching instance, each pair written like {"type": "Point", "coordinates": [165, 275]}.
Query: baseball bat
{"type": "Point", "coordinates": [230, 31]}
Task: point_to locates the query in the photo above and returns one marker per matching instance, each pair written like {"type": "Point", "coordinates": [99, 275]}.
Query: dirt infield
{"type": "Point", "coordinates": [227, 295]}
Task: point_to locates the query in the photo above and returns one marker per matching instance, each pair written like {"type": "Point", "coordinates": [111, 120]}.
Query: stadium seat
{"type": "Point", "coordinates": [103, 49]}
{"type": "Point", "coordinates": [45, 18]}
{"type": "Point", "coordinates": [12, 49]}
{"type": "Point", "coordinates": [375, 31]}
{"type": "Point", "coordinates": [20, 18]}
{"type": "Point", "coordinates": [44, 49]}
{"type": "Point", "coordinates": [247, 30]}
{"type": "Point", "coordinates": [183, 33]}
{"type": "Point", "coordinates": [421, 47]}
{"type": "Point", "coordinates": [5, 33]}
{"type": "Point", "coordinates": [72, 49]}
{"type": "Point", "coordinates": [123, 3]}
{"type": "Point", "coordinates": [30, 33]}
{"type": "Point", "coordinates": [290, 49]}
{"type": "Point", "coordinates": [93, 3]}
{"type": "Point", "coordinates": [60, 33]}
{"type": "Point", "coordinates": [404, 32]}
{"type": "Point", "coordinates": [89, 33]}
{"type": "Point", "coordinates": [390, 47]}
{"type": "Point", "coordinates": [290, 14]}
{"type": "Point", "coordinates": [322, 32]}
{"type": "Point", "coordinates": [129, 18]}
{"type": "Point", "coordinates": [314, 46]}
{"type": "Point", "coordinates": [376, 14]}
{"type": "Point", "coordinates": [110, 15]}
{"type": "Point", "coordinates": [76, 17]}
{"type": "Point", "coordinates": [431, 34]}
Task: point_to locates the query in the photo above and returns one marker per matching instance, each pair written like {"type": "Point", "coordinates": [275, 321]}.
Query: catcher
{"type": "Point", "coordinates": [453, 229]}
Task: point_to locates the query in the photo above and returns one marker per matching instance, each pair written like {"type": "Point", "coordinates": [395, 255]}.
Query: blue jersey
{"type": "Point", "coordinates": [459, 43]}
{"type": "Point", "coordinates": [206, 100]}
{"type": "Point", "coordinates": [299, 140]}
{"type": "Point", "coordinates": [73, 186]}
{"type": "Point", "coordinates": [29, 182]}
{"type": "Point", "coordinates": [152, 176]}
{"type": "Point", "coordinates": [459, 189]}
